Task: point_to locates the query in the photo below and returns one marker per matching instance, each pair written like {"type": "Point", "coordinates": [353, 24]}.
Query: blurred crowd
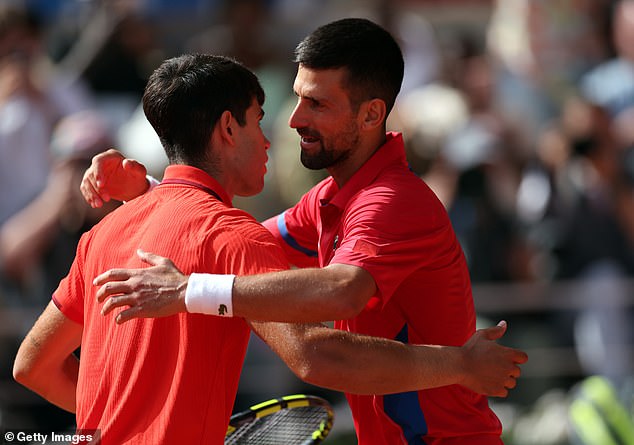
{"type": "Point", "coordinates": [518, 113]}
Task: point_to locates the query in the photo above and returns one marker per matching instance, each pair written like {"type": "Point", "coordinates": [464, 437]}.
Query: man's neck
{"type": "Point", "coordinates": [342, 173]}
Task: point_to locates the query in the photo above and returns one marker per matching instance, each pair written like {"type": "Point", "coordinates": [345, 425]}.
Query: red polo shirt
{"type": "Point", "coordinates": [386, 220]}
{"type": "Point", "coordinates": [170, 380]}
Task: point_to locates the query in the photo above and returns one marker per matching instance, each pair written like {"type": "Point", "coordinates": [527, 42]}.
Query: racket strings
{"type": "Point", "coordinates": [286, 427]}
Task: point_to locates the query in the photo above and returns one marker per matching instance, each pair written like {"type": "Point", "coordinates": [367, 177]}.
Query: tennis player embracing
{"type": "Point", "coordinates": [143, 381]}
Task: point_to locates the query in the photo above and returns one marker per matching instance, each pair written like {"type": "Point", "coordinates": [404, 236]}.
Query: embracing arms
{"type": "Point", "coordinates": [332, 293]}
{"type": "Point", "coordinates": [335, 292]}
{"type": "Point", "coordinates": [317, 354]}
{"type": "Point", "coordinates": [370, 365]}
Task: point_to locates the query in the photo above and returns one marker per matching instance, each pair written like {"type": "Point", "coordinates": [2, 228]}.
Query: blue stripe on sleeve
{"type": "Point", "coordinates": [404, 409]}
{"type": "Point", "coordinates": [288, 239]}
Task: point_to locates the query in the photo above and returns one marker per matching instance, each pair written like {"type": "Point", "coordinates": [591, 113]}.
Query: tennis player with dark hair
{"type": "Point", "coordinates": [174, 379]}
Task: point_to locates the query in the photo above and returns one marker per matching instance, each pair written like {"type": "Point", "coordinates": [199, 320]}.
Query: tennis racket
{"type": "Point", "coordinates": [291, 420]}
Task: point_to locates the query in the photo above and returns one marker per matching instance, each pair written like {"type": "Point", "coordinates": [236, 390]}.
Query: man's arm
{"type": "Point", "coordinates": [335, 292]}
{"type": "Point", "coordinates": [368, 365]}
{"type": "Point", "coordinates": [113, 176]}
{"type": "Point", "coordinates": [45, 362]}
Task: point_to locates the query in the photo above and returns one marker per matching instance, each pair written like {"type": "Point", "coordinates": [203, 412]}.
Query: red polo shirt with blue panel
{"type": "Point", "coordinates": [386, 220]}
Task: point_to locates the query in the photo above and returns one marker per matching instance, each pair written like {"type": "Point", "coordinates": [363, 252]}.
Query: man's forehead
{"type": "Point", "coordinates": [311, 79]}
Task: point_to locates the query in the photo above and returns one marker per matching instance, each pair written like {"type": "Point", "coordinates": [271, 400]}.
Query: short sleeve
{"type": "Point", "coordinates": [392, 238]}
{"type": "Point", "coordinates": [296, 232]}
{"type": "Point", "coordinates": [69, 295]}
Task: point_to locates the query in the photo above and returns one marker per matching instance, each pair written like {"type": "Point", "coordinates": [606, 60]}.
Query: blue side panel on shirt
{"type": "Point", "coordinates": [281, 226]}
{"type": "Point", "coordinates": [403, 408]}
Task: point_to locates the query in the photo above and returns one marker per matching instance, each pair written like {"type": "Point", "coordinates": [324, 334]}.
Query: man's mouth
{"type": "Point", "coordinates": [308, 138]}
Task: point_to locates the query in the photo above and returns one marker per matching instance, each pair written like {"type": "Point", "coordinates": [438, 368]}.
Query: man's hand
{"type": "Point", "coordinates": [156, 291]}
{"type": "Point", "coordinates": [112, 176]}
{"type": "Point", "coordinates": [490, 368]}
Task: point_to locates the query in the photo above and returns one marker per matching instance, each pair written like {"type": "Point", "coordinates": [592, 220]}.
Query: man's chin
{"type": "Point", "coordinates": [314, 162]}
{"type": "Point", "coordinates": [313, 166]}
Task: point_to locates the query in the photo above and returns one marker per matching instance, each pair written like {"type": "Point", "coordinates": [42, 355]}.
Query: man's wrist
{"type": "Point", "coordinates": [210, 294]}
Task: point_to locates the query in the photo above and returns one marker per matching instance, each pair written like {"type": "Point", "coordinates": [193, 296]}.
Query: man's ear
{"type": "Point", "coordinates": [373, 114]}
{"type": "Point", "coordinates": [224, 126]}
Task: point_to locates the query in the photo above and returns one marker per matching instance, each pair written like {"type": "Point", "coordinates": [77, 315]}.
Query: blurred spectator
{"type": "Point", "coordinates": [34, 96]}
{"type": "Point", "coordinates": [543, 46]}
{"type": "Point", "coordinates": [611, 84]}
{"type": "Point", "coordinates": [583, 225]}
{"type": "Point", "coordinates": [113, 54]}
{"type": "Point", "coordinates": [571, 196]}
{"type": "Point", "coordinates": [470, 154]}
{"type": "Point", "coordinates": [116, 50]}
{"type": "Point", "coordinates": [47, 137]}
{"type": "Point", "coordinates": [38, 241]}
{"type": "Point", "coordinates": [588, 188]}
{"type": "Point", "coordinates": [417, 39]}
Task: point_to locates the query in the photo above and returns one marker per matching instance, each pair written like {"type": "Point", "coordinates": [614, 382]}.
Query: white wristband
{"type": "Point", "coordinates": [152, 181]}
{"type": "Point", "coordinates": [210, 294]}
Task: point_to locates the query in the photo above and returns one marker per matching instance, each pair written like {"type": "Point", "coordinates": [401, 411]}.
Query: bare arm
{"type": "Point", "coordinates": [335, 292]}
{"type": "Point", "coordinates": [45, 362]}
{"type": "Point", "coordinates": [317, 354]}
{"type": "Point", "coordinates": [112, 176]}
{"type": "Point", "coordinates": [368, 365]}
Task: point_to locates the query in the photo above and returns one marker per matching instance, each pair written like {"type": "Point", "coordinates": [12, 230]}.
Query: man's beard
{"type": "Point", "coordinates": [330, 153]}
{"type": "Point", "coordinates": [322, 159]}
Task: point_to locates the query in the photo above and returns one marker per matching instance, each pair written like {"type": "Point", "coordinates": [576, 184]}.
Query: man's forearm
{"type": "Point", "coordinates": [361, 364]}
{"type": "Point", "coordinates": [62, 390]}
{"type": "Point", "coordinates": [45, 362]}
{"type": "Point", "coordinates": [57, 385]}
{"type": "Point", "coordinates": [304, 295]}
{"type": "Point", "coordinates": [369, 365]}
{"type": "Point", "coordinates": [381, 366]}
{"type": "Point", "coordinates": [334, 292]}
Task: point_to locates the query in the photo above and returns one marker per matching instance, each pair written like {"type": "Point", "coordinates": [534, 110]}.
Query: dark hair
{"type": "Point", "coordinates": [370, 54]}
{"type": "Point", "coordinates": [185, 97]}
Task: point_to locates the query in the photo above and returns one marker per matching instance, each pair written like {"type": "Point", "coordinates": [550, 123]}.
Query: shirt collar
{"type": "Point", "coordinates": [392, 151]}
{"type": "Point", "coordinates": [197, 176]}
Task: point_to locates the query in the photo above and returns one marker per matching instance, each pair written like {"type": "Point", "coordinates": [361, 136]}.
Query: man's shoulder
{"type": "Point", "coordinates": [319, 190]}
{"type": "Point", "coordinates": [232, 221]}
{"type": "Point", "coordinates": [241, 223]}
{"type": "Point", "coordinates": [247, 245]}
{"type": "Point", "coordinates": [237, 226]}
{"type": "Point", "coordinates": [400, 193]}
{"type": "Point", "coordinates": [400, 183]}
